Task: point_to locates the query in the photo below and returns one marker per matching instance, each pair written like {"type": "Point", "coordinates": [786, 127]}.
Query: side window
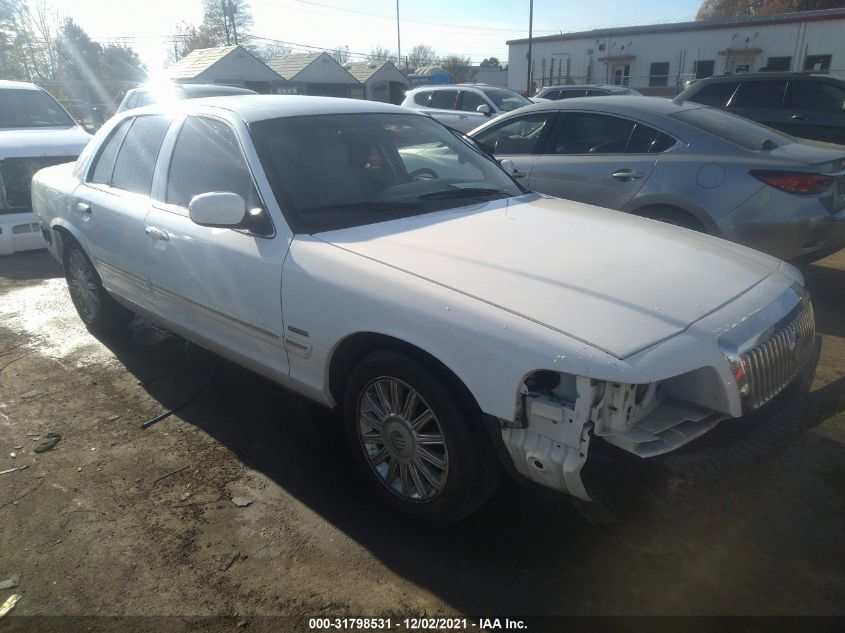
{"type": "Point", "coordinates": [516, 136]}
{"type": "Point", "coordinates": [132, 101]}
{"type": "Point", "coordinates": [646, 140]}
{"type": "Point", "coordinates": [133, 169]}
{"type": "Point", "coordinates": [554, 95]}
{"type": "Point", "coordinates": [716, 94]}
{"type": "Point", "coordinates": [207, 157]}
{"type": "Point", "coordinates": [443, 99]}
{"type": "Point", "coordinates": [759, 95]}
{"type": "Point", "coordinates": [583, 133]}
{"type": "Point", "coordinates": [104, 165]}
{"type": "Point", "coordinates": [471, 100]}
{"type": "Point", "coordinates": [421, 98]}
{"type": "Point", "coordinates": [569, 94]}
{"type": "Point", "coordinates": [593, 92]}
{"type": "Point", "coordinates": [815, 96]}
{"type": "Point", "coordinates": [145, 99]}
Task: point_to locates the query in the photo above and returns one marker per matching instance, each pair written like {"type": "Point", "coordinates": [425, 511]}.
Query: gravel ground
{"type": "Point", "coordinates": [117, 520]}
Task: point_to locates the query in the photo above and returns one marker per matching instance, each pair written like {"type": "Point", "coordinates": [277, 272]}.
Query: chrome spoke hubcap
{"type": "Point", "coordinates": [402, 439]}
{"type": "Point", "coordinates": [83, 287]}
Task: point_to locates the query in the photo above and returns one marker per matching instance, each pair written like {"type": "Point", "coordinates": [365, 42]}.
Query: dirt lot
{"type": "Point", "coordinates": [117, 520]}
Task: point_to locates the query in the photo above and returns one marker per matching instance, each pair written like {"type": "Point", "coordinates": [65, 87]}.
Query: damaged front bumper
{"type": "Point", "coordinates": [553, 445]}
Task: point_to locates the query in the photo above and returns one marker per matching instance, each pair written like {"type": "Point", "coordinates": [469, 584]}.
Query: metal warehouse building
{"type": "Point", "coordinates": [658, 59]}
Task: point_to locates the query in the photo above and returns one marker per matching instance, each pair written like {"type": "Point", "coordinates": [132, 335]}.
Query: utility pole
{"type": "Point", "coordinates": [399, 40]}
{"type": "Point", "coordinates": [530, 35]}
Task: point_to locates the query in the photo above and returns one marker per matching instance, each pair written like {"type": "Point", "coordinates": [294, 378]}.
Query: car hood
{"type": "Point", "coordinates": [48, 141]}
{"type": "Point", "coordinates": [617, 282]}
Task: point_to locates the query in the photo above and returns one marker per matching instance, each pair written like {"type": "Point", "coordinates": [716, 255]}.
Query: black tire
{"type": "Point", "coordinates": [98, 310]}
{"type": "Point", "coordinates": [671, 215]}
{"type": "Point", "coordinates": [471, 475]}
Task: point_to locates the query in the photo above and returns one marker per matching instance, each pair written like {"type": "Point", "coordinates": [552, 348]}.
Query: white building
{"type": "Point", "coordinates": [659, 58]}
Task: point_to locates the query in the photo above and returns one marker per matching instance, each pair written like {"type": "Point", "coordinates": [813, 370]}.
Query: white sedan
{"type": "Point", "coordinates": [461, 322]}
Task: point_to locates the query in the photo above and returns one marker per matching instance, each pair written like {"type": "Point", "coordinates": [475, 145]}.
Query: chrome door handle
{"type": "Point", "coordinates": [157, 233]}
{"type": "Point", "coordinates": [627, 174]}
{"type": "Point", "coordinates": [799, 117]}
{"type": "Point", "coordinates": [83, 207]}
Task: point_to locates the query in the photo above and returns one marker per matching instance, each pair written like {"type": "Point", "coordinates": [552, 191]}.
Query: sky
{"type": "Point", "coordinates": [473, 28]}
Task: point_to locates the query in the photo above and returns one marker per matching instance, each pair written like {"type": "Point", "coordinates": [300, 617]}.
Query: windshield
{"type": "Point", "coordinates": [733, 128]}
{"type": "Point", "coordinates": [506, 100]}
{"type": "Point", "coordinates": [20, 108]}
{"type": "Point", "coordinates": [337, 171]}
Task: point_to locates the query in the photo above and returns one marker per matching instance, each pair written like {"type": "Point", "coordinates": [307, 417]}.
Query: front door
{"type": "Point", "coordinates": [220, 286]}
{"type": "Point", "coordinates": [518, 139]}
{"type": "Point", "coordinates": [598, 159]}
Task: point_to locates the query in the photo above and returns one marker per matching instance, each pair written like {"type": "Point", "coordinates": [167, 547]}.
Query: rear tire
{"type": "Point", "coordinates": [418, 450]}
{"type": "Point", "coordinates": [95, 306]}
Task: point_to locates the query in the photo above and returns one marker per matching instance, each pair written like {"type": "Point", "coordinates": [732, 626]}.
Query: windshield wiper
{"type": "Point", "coordinates": [378, 207]}
{"type": "Point", "coordinates": [462, 192]}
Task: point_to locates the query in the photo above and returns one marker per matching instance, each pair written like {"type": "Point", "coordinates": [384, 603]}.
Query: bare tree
{"type": "Point", "coordinates": [422, 55]}
{"type": "Point", "coordinates": [379, 53]}
{"type": "Point", "coordinates": [340, 54]}
{"type": "Point", "coordinates": [269, 51]}
{"type": "Point", "coordinates": [457, 66]}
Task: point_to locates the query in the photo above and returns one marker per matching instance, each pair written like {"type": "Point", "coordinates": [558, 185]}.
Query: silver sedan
{"type": "Point", "coordinates": [682, 163]}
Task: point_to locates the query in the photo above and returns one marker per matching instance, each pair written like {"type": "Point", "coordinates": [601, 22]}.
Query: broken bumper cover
{"type": "Point", "coordinates": [561, 456]}
{"type": "Point", "coordinates": [20, 232]}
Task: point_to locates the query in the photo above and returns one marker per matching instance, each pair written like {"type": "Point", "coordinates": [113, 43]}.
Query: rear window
{"type": "Point", "coordinates": [731, 127]}
{"type": "Point", "coordinates": [715, 95]}
{"type": "Point", "coordinates": [31, 108]}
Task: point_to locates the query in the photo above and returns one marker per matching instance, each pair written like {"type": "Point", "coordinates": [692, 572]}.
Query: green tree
{"type": "Point", "coordinates": [718, 9]}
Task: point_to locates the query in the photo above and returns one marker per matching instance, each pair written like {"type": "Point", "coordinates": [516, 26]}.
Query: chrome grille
{"type": "Point", "coordinates": [772, 364]}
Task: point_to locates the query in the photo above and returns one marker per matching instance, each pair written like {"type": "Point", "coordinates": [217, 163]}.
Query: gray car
{"type": "Point", "coordinates": [683, 163]}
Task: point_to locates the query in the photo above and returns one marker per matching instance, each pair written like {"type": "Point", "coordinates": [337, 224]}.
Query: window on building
{"type": "Point", "coordinates": [659, 74]}
{"type": "Point", "coordinates": [759, 95]}
{"type": "Point", "coordinates": [778, 64]}
{"type": "Point", "coordinates": [136, 160]}
{"type": "Point", "coordinates": [703, 68]}
{"type": "Point", "coordinates": [817, 63]}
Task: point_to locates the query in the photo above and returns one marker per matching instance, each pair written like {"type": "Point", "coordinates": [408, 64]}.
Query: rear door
{"type": "Point", "coordinates": [113, 202]}
{"type": "Point", "coordinates": [221, 285]}
{"type": "Point", "coordinates": [816, 110]}
{"type": "Point", "coordinates": [597, 158]}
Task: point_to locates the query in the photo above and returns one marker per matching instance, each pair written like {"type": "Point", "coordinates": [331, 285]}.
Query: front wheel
{"type": "Point", "coordinates": [95, 306]}
{"type": "Point", "coordinates": [416, 447]}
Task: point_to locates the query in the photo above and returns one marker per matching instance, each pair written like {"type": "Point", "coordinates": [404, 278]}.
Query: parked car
{"type": "Point", "coordinates": [463, 107]}
{"type": "Point", "coordinates": [680, 162]}
{"type": "Point", "coordinates": [147, 94]}
{"type": "Point", "coordinates": [460, 321]}
{"type": "Point", "coordinates": [804, 105]}
{"type": "Point", "coordinates": [35, 131]}
{"type": "Point", "coordinates": [553, 93]}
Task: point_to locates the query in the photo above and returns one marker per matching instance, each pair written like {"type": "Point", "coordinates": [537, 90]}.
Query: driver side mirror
{"type": "Point", "coordinates": [510, 168]}
{"type": "Point", "coordinates": [484, 109]}
{"type": "Point", "coordinates": [217, 209]}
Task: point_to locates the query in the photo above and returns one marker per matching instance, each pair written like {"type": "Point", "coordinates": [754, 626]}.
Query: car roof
{"type": "Point", "coordinates": [773, 75]}
{"type": "Point", "coordinates": [632, 105]}
{"type": "Point", "coordinates": [17, 85]}
{"type": "Point", "coordinates": [584, 86]}
{"type": "Point", "coordinates": [220, 89]}
{"type": "Point", "coordinates": [253, 108]}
